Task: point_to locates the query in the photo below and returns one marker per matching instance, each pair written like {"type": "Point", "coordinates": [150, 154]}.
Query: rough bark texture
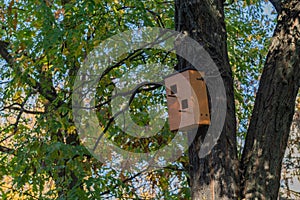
{"type": "Point", "coordinates": [216, 175]}
{"type": "Point", "coordinates": [274, 108]}
{"type": "Point", "coordinates": [219, 175]}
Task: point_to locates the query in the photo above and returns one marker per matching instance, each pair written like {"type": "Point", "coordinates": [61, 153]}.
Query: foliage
{"type": "Point", "coordinates": [290, 165]}
{"type": "Point", "coordinates": [46, 42]}
{"type": "Point", "coordinates": [249, 29]}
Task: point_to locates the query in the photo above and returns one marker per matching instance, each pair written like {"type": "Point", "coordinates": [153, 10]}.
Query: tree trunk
{"type": "Point", "coordinates": [216, 175]}
{"type": "Point", "coordinates": [273, 112]}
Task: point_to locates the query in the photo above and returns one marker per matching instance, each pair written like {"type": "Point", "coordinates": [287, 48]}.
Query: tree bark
{"type": "Point", "coordinates": [257, 176]}
{"type": "Point", "coordinates": [273, 112]}
{"type": "Point", "coordinates": [216, 175]}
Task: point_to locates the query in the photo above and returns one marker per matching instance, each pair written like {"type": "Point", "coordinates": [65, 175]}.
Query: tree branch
{"type": "Point", "coordinates": [4, 52]}
{"type": "Point", "coordinates": [124, 181]}
{"type": "Point", "coordinates": [273, 111]}
{"type": "Point", "coordinates": [45, 90]}
{"type": "Point", "coordinates": [139, 88]}
{"type": "Point", "coordinates": [20, 108]}
{"type": "Point", "coordinates": [4, 149]}
{"type": "Point", "coordinates": [135, 91]}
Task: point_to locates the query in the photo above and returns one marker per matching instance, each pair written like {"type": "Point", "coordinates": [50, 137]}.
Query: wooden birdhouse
{"type": "Point", "coordinates": [187, 100]}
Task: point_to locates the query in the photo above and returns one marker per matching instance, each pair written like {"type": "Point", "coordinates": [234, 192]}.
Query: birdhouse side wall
{"type": "Point", "coordinates": [187, 100]}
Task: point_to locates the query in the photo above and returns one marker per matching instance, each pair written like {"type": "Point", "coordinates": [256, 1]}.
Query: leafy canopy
{"type": "Point", "coordinates": [44, 45]}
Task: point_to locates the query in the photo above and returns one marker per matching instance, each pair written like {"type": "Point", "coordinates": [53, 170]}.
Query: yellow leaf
{"type": "Point", "coordinates": [17, 96]}
{"type": "Point", "coordinates": [71, 130]}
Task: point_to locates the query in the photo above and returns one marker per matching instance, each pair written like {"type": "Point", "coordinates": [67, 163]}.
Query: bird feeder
{"type": "Point", "coordinates": [187, 100]}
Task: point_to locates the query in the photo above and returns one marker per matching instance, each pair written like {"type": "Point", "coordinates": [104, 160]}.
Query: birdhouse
{"type": "Point", "coordinates": [187, 100]}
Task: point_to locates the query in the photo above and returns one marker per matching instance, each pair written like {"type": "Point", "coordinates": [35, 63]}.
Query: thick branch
{"type": "Point", "coordinates": [274, 108]}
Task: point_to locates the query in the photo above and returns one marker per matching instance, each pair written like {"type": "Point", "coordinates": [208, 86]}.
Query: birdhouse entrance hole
{"type": "Point", "coordinates": [187, 100]}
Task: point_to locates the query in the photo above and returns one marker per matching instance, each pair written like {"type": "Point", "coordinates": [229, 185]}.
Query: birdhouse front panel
{"type": "Point", "coordinates": [187, 100]}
